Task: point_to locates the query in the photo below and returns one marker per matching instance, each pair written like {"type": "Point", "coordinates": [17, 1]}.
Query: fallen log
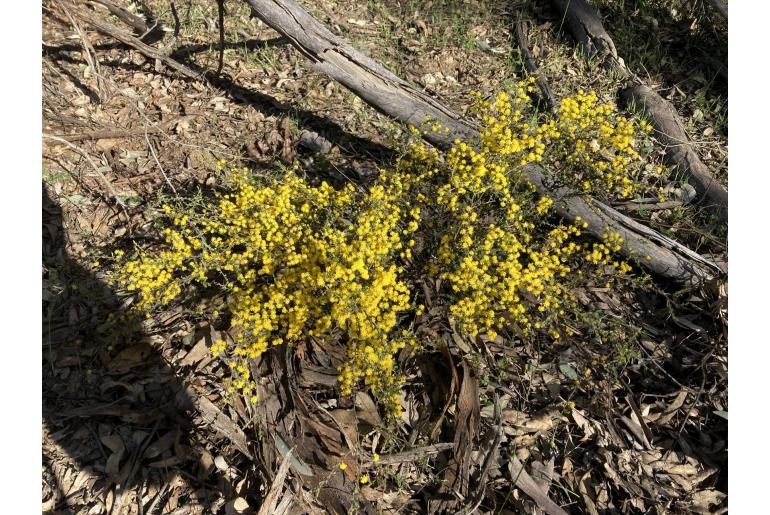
{"type": "Point", "coordinates": [368, 79]}
{"type": "Point", "coordinates": [585, 25]}
{"type": "Point", "coordinates": [661, 261]}
{"type": "Point", "coordinates": [669, 130]}
{"type": "Point", "coordinates": [398, 99]}
{"type": "Point", "coordinates": [659, 254]}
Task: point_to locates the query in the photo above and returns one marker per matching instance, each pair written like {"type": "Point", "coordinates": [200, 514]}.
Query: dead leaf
{"type": "Point", "coordinates": [704, 499]}
{"type": "Point", "coordinates": [130, 357]}
{"type": "Point", "coordinates": [543, 474]}
{"type": "Point", "coordinates": [366, 410]}
{"type": "Point", "coordinates": [166, 463]}
{"type": "Point", "coordinates": [199, 351]}
{"type": "Point", "coordinates": [220, 422]}
{"type": "Point", "coordinates": [205, 465]}
{"type": "Point", "coordinates": [161, 445]}
{"type": "Point", "coordinates": [115, 443]}
{"type": "Point", "coordinates": [106, 144]}
{"type": "Point", "coordinates": [238, 506]}
{"type": "Point", "coordinates": [672, 409]}
{"type": "Point", "coordinates": [297, 464]}
{"type": "Point", "coordinates": [528, 485]}
{"type": "Point", "coordinates": [221, 463]}
{"type": "Point", "coordinates": [466, 428]}
{"type": "Point", "coordinates": [347, 422]}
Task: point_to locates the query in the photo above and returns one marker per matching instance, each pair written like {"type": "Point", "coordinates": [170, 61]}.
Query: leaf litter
{"type": "Point", "coordinates": [137, 427]}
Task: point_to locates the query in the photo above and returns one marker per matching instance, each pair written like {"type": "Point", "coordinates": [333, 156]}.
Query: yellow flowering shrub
{"type": "Point", "coordinates": [295, 260]}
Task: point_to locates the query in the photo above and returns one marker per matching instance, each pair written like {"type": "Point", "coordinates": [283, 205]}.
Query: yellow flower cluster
{"type": "Point", "coordinates": [598, 143]}
{"type": "Point", "coordinates": [503, 264]}
{"type": "Point", "coordinates": [296, 261]}
{"type": "Point", "coordinates": [601, 252]}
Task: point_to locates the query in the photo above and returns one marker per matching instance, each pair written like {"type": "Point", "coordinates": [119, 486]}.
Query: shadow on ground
{"type": "Point", "coordinates": [114, 412]}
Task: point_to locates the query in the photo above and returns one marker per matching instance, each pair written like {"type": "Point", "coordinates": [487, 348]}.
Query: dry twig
{"type": "Point", "coordinates": [93, 165]}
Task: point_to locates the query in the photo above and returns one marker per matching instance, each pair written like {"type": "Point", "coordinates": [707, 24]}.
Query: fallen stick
{"type": "Point", "coordinates": [522, 38]}
{"type": "Point", "coordinates": [137, 22]}
{"type": "Point", "coordinates": [585, 25]}
{"type": "Point", "coordinates": [398, 99]}
{"type": "Point", "coordinates": [413, 454]}
{"type": "Point", "coordinates": [652, 206]}
{"type": "Point", "coordinates": [110, 133]}
{"type": "Point", "coordinates": [89, 53]}
{"type": "Point", "coordinates": [108, 29]}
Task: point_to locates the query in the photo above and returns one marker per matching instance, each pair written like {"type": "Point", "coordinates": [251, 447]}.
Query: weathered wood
{"type": "Point", "coordinates": [585, 25]}
{"type": "Point", "coordinates": [368, 79]}
{"type": "Point", "coordinates": [399, 99]}
{"type": "Point", "coordinates": [669, 130]}
{"type": "Point", "coordinates": [658, 253]}
{"type": "Point", "coordinates": [522, 38]}
{"type": "Point", "coordinates": [137, 22]}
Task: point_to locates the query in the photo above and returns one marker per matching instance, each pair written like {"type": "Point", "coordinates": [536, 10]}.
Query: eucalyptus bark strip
{"type": "Point", "coordinates": [399, 99]}
{"type": "Point", "coordinates": [585, 25]}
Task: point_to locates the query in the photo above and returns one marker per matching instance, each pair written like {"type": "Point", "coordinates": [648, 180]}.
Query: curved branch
{"type": "Point", "coordinates": [585, 25]}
